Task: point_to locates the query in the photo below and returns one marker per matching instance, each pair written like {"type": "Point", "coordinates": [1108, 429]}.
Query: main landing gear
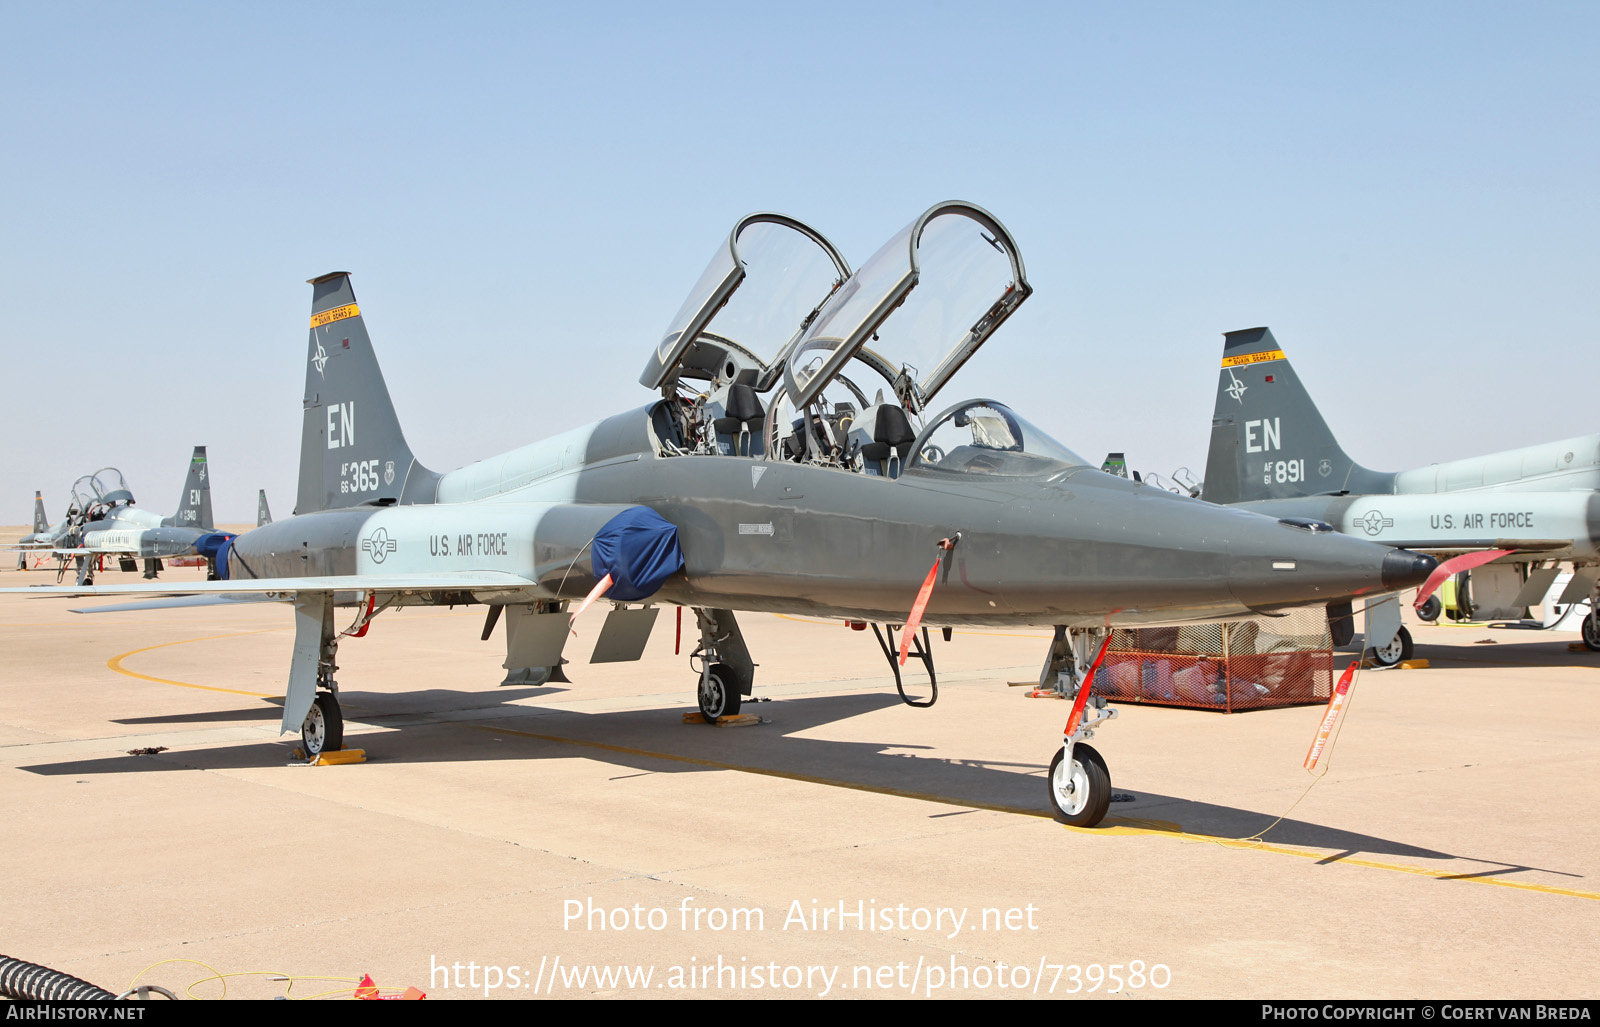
{"type": "Point", "coordinates": [727, 673]}
{"type": "Point", "coordinates": [1398, 650]}
{"type": "Point", "coordinates": [312, 699]}
{"type": "Point", "coordinates": [323, 729]}
{"type": "Point", "coordinates": [1079, 781]}
{"type": "Point", "coordinates": [1591, 628]}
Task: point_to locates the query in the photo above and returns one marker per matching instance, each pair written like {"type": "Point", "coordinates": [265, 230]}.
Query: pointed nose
{"type": "Point", "coordinates": [1404, 569]}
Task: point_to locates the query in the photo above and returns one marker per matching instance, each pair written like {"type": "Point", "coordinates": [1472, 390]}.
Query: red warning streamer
{"type": "Point", "coordinates": [913, 621]}
{"type": "Point", "coordinates": [1455, 565]}
{"type": "Point", "coordinates": [1336, 701]}
{"type": "Point", "coordinates": [1085, 688]}
{"type": "Point", "coordinates": [594, 593]}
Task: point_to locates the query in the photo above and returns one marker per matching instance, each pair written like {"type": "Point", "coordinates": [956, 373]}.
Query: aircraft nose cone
{"type": "Point", "coordinates": [1403, 569]}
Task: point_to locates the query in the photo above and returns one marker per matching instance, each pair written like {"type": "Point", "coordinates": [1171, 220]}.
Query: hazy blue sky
{"type": "Point", "coordinates": [1403, 192]}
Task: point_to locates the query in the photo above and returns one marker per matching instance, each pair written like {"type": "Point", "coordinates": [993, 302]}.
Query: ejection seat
{"type": "Point", "coordinates": [742, 410]}
{"type": "Point", "coordinates": [890, 440]}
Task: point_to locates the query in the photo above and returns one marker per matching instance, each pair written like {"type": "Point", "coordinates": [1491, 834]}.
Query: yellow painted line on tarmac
{"type": "Point", "coordinates": [1115, 826]}
{"type": "Point", "coordinates": [1173, 830]}
{"type": "Point", "coordinates": [115, 663]}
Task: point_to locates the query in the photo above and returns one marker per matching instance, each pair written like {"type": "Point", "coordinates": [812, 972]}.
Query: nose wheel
{"type": "Point", "coordinates": [1080, 792]}
{"type": "Point", "coordinates": [1080, 784]}
{"type": "Point", "coordinates": [323, 730]}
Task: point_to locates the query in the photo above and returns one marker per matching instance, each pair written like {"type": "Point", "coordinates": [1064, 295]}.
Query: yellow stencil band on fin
{"type": "Point", "coordinates": [1248, 358]}
{"type": "Point", "coordinates": [328, 317]}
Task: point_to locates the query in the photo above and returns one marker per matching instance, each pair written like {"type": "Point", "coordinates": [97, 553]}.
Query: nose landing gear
{"type": "Point", "coordinates": [1080, 791]}
{"type": "Point", "coordinates": [1079, 781]}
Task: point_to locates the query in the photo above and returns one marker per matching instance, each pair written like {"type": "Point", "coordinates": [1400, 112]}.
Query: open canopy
{"type": "Point", "coordinates": [954, 275]}
{"type": "Point", "coordinates": [791, 270]}
{"type": "Point", "coordinates": [105, 486]}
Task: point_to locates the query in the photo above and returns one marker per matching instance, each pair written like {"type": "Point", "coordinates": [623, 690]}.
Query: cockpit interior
{"type": "Point", "coordinates": [782, 352]}
{"type": "Point", "coordinates": [94, 495]}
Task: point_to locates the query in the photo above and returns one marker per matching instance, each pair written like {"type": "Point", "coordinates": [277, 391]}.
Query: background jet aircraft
{"type": "Point", "coordinates": [784, 467]}
{"type": "Point", "coordinates": [1181, 481]}
{"type": "Point", "coordinates": [44, 535]}
{"type": "Point", "coordinates": [263, 515]}
{"type": "Point", "coordinates": [1271, 451]}
{"type": "Point", "coordinates": [108, 523]}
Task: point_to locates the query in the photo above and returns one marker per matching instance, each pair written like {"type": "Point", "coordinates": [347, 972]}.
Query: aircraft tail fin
{"type": "Point", "coordinates": [263, 515]}
{"type": "Point", "coordinates": [40, 521]}
{"type": "Point", "coordinates": [194, 506]}
{"type": "Point", "coordinates": [1268, 439]}
{"type": "Point", "coordinates": [352, 451]}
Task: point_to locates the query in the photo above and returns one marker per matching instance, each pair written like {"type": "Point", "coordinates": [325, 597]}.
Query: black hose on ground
{"type": "Point", "coordinates": [23, 980]}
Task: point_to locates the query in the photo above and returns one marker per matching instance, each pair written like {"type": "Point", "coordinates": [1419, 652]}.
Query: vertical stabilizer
{"type": "Point", "coordinates": [41, 523]}
{"type": "Point", "coordinates": [1268, 440]}
{"type": "Point", "coordinates": [194, 506]}
{"type": "Point", "coordinates": [263, 515]}
{"type": "Point", "coordinates": [352, 451]}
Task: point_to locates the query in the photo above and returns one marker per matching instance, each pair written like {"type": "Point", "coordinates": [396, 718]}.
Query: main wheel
{"type": "Point", "coordinates": [1398, 649]}
{"type": "Point", "coordinates": [323, 730]}
{"type": "Point", "coordinates": [719, 697]}
{"type": "Point", "coordinates": [1464, 608]}
{"type": "Point", "coordinates": [1430, 610]}
{"type": "Point", "coordinates": [1080, 796]}
{"type": "Point", "coordinates": [1591, 630]}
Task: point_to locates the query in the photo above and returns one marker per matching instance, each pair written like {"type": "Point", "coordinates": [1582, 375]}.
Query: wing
{"type": "Point", "coordinates": [476, 582]}
{"type": "Point", "coordinates": [308, 595]}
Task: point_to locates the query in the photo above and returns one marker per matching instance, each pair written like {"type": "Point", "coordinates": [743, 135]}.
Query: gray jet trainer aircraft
{"type": "Point", "coordinates": [785, 467]}
{"type": "Point", "coordinates": [1272, 452]}
{"type": "Point", "coordinates": [44, 535]}
{"type": "Point", "coordinates": [107, 522]}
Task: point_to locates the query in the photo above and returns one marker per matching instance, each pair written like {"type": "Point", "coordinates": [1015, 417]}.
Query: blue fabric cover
{"type": "Point", "coordinates": [639, 549]}
{"type": "Point", "coordinates": [215, 547]}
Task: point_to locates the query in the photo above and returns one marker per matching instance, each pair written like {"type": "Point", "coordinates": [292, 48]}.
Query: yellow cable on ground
{"type": "Point", "coordinates": [217, 975]}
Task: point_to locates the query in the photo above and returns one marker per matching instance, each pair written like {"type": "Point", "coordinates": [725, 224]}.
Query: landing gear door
{"type": "Point", "coordinates": [949, 279]}
{"type": "Point", "coordinates": [794, 270]}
